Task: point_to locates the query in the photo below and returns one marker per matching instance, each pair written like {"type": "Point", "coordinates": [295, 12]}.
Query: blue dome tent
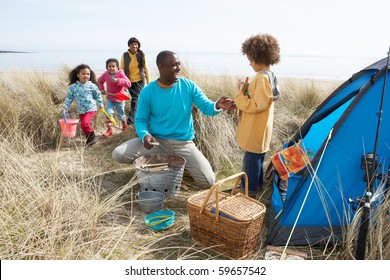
{"type": "Point", "coordinates": [339, 137]}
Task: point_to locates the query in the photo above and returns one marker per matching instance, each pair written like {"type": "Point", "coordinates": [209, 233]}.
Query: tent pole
{"type": "Point", "coordinates": [365, 219]}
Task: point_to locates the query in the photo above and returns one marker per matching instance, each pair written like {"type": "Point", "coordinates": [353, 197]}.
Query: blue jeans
{"type": "Point", "coordinates": [111, 106]}
{"type": "Point", "coordinates": [252, 165]}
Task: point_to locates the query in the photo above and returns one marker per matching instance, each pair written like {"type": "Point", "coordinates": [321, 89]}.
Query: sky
{"type": "Point", "coordinates": [303, 27]}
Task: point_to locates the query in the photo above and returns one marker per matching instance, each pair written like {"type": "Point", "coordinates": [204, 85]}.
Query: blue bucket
{"type": "Point", "coordinates": [160, 220]}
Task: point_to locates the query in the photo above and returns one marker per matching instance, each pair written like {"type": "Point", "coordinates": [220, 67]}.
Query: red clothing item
{"type": "Point", "coordinates": [85, 122]}
{"type": "Point", "coordinates": [112, 87]}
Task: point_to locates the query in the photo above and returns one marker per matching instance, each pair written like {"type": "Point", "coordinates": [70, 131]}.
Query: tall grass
{"type": "Point", "coordinates": [378, 240]}
{"type": "Point", "coordinates": [215, 136]}
{"type": "Point", "coordinates": [60, 200]}
{"type": "Point", "coordinates": [30, 104]}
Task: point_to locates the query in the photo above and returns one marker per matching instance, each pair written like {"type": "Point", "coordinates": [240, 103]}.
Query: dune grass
{"type": "Point", "coordinates": [60, 200]}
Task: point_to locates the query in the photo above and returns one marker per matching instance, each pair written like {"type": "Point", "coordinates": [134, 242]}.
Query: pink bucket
{"type": "Point", "coordinates": [69, 127]}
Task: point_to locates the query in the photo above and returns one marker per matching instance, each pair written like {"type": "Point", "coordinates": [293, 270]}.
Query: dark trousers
{"type": "Point", "coordinates": [252, 165]}
{"type": "Point", "coordinates": [134, 90]}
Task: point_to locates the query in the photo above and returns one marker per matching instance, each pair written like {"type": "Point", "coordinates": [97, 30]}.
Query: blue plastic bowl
{"type": "Point", "coordinates": [160, 220]}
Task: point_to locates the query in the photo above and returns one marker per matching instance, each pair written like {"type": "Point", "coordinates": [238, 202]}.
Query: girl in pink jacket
{"type": "Point", "coordinates": [116, 82]}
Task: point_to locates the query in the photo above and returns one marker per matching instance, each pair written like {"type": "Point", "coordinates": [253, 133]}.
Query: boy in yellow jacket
{"type": "Point", "coordinates": [254, 130]}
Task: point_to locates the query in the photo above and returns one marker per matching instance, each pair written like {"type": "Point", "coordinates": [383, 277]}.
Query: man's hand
{"type": "Point", "coordinates": [150, 142]}
{"type": "Point", "coordinates": [225, 103]}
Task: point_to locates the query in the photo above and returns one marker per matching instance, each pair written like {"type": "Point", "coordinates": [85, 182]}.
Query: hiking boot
{"type": "Point", "coordinates": [254, 196]}
{"type": "Point", "coordinates": [124, 126]}
{"type": "Point", "coordinates": [108, 133]}
{"type": "Point", "coordinates": [91, 139]}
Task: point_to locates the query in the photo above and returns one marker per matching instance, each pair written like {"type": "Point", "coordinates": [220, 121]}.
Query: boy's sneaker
{"type": "Point", "coordinates": [108, 133]}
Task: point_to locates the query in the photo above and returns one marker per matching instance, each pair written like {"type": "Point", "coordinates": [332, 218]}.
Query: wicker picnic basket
{"type": "Point", "coordinates": [227, 223]}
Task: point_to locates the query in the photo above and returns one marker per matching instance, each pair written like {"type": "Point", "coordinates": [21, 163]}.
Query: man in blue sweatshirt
{"type": "Point", "coordinates": [164, 116]}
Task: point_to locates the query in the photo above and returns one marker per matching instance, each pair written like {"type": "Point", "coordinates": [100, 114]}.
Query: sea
{"type": "Point", "coordinates": [202, 63]}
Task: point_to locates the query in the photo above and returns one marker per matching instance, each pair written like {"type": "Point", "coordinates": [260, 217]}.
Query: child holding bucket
{"type": "Point", "coordinates": [116, 81]}
{"type": "Point", "coordinates": [83, 88]}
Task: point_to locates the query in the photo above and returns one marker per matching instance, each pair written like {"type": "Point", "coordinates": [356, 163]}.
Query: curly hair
{"type": "Point", "coordinates": [73, 74]}
{"type": "Point", "coordinates": [262, 49]}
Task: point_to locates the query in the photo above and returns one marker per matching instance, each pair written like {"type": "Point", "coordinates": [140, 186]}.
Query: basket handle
{"type": "Point", "coordinates": [216, 186]}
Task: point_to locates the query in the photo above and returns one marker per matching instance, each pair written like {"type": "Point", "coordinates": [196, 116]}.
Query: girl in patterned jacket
{"type": "Point", "coordinates": [83, 88]}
